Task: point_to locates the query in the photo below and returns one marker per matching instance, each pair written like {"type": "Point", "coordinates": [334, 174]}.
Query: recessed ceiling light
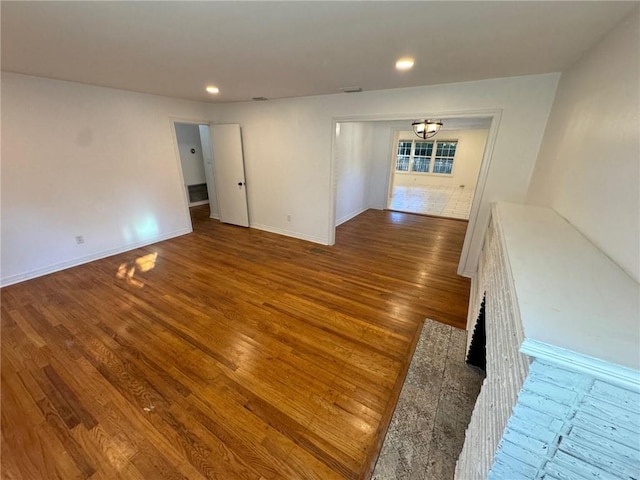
{"type": "Point", "coordinates": [212, 89]}
{"type": "Point", "coordinates": [404, 63]}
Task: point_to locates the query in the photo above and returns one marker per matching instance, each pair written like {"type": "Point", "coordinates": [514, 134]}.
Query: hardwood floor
{"type": "Point", "coordinates": [229, 353]}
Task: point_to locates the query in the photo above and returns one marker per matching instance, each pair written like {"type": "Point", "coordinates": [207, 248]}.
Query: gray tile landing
{"type": "Point", "coordinates": [426, 432]}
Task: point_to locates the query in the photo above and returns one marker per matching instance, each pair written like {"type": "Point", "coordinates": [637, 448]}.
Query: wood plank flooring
{"type": "Point", "coordinates": [229, 353]}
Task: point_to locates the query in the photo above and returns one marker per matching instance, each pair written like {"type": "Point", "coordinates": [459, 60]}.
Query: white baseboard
{"type": "Point", "coordinates": [349, 216]}
{"type": "Point", "coordinates": [215, 216]}
{"type": "Point", "coordinates": [196, 204]}
{"type": "Point", "coordinates": [288, 233]}
{"type": "Point", "coordinates": [39, 272]}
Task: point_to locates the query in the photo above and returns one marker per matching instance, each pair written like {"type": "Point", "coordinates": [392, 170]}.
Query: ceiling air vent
{"type": "Point", "coordinates": [259, 99]}
{"type": "Point", "coordinates": [351, 89]}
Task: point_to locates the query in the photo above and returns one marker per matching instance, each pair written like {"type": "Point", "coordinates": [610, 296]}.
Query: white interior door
{"type": "Point", "coordinates": [228, 174]}
{"type": "Point", "coordinates": [207, 156]}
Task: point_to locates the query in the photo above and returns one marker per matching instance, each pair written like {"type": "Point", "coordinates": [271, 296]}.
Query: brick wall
{"type": "Point", "coordinates": [568, 425]}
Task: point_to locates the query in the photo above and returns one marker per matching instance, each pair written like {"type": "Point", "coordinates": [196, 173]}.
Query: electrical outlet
{"type": "Point", "coordinates": [79, 240]}
{"type": "Point", "coordinates": [288, 218]}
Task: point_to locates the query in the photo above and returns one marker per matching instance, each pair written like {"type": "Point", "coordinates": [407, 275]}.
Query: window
{"type": "Point", "coordinates": [422, 156]}
{"type": "Point", "coordinates": [404, 153]}
{"type": "Point", "coordinates": [443, 163]}
{"type": "Point", "coordinates": [418, 156]}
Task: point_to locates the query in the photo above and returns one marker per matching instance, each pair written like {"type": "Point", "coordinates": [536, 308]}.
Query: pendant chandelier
{"type": "Point", "coordinates": [426, 128]}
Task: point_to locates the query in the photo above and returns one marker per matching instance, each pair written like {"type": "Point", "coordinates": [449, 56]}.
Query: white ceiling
{"type": "Point", "coordinates": [287, 49]}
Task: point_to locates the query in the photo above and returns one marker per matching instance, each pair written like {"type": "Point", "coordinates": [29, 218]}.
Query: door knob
{"type": "Point", "coordinates": [240, 184]}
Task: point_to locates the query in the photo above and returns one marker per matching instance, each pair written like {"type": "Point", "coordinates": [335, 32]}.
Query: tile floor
{"type": "Point", "coordinates": [427, 429]}
{"type": "Point", "coordinates": [443, 201]}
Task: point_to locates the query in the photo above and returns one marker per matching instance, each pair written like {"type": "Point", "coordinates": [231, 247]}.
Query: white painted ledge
{"type": "Point", "coordinates": [570, 294]}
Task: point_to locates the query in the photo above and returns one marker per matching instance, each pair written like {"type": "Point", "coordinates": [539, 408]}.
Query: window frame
{"type": "Point", "coordinates": [432, 157]}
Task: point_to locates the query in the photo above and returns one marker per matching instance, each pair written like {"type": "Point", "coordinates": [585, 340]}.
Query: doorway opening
{"type": "Point", "coordinates": [193, 141]}
{"type": "Point", "coordinates": [364, 163]}
{"type": "Point", "coordinates": [211, 157]}
{"type": "Point", "coordinates": [438, 176]}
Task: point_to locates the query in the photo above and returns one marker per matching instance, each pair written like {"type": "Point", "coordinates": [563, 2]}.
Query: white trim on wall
{"type": "Point", "coordinates": [346, 218]}
{"type": "Point", "coordinates": [392, 166]}
{"type": "Point", "coordinates": [333, 183]}
{"type": "Point", "coordinates": [479, 193]}
{"type": "Point", "coordinates": [288, 233]}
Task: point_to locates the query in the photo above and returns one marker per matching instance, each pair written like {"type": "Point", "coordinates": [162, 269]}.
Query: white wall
{"type": "Point", "coordinates": [588, 169]}
{"type": "Point", "coordinates": [288, 146]}
{"type": "Point", "coordinates": [352, 153]}
{"type": "Point", "coordinates": [90, 161]}
{"type": "Point", "coordinates": [380, 170]}
{"type": "Point", "coordinates": [188, 135]}
{"type": "Point", "coordinates": [98, 162]}
{"type": "Point", "coordinates": [466, 165]}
